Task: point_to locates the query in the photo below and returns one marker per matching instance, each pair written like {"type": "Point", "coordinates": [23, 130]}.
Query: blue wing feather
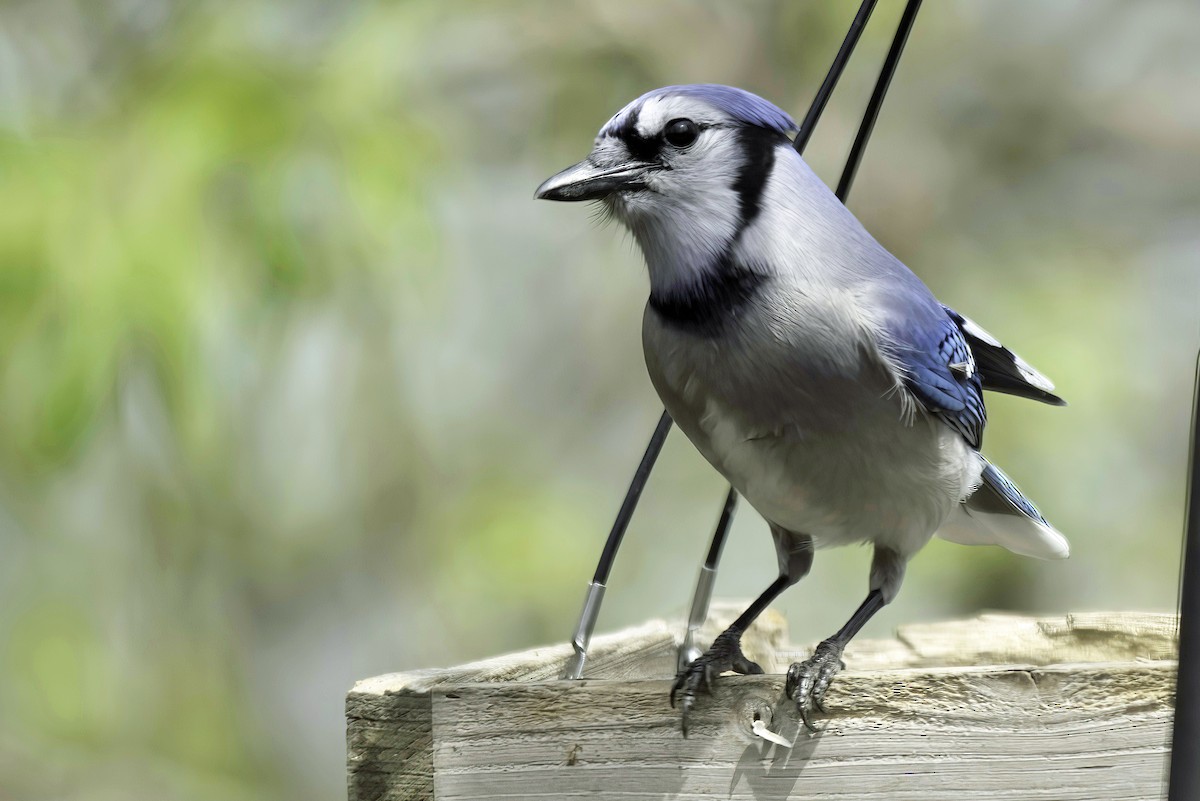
{"type": "Point", "coordinates": [939, 370]}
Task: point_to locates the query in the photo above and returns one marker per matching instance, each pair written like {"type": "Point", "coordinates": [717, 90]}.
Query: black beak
{"type": "Point", "coordinates": [589, 181]}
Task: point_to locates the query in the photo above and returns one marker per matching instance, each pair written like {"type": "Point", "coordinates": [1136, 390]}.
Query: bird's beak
{"type": "Point", "coordinates": [589, 180]}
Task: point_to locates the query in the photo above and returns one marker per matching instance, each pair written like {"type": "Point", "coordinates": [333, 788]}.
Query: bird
{"type": "Point", "coordinates": [809, 366]}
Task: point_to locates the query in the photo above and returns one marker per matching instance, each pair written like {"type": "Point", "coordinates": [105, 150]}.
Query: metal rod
{"type": "Point", "coordinates": [595, 592]}
{"type": "Point", "coordinates": [591, 607]}
{"type": "Point", "coordinates": [708, 573]}
{"type": "Point", "coordinates": [835, 72]}
{"type": "Point", "coordinates": [632, 495]}
{"type": "Point", "coordinates": [1185, 742]}
{"type": "Point", "coordinates": [716, 546]}
{"type": "Point", "coordinates": [583, 631]}
{"type": "Point", "coordinates": [877, 95]}
{"type": "Point", "coordinates": [702, 596]}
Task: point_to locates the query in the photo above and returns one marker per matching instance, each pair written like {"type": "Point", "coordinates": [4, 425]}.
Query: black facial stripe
{"type": "Point", "coordinates": [706, 307]}
{"type": "Point", "coordinates": [639, 147]}
{"type": "Point", "coordinates": [758, 151]}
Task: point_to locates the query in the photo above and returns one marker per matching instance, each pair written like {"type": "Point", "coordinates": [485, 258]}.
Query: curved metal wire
{"type": "Point", "coordinates": [708, 573]}
{"type": "Point", "coordinates": [809, 124]}
{"type": "Point", "coordinates": [595, 591]}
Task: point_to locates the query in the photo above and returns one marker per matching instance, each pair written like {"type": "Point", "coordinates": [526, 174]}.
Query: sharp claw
{"type": "Point", "coordinates": [685, 707]}
{"type": "Point", "coordinates": [793, 678]}
{"type": "Point", "coordinates": [677, 686]}
{"type": "Point", "coordinates": [807, 723]}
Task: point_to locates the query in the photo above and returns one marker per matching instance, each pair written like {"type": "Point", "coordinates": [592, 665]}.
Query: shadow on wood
{"type": "Point", "coordinates": [997, 707]}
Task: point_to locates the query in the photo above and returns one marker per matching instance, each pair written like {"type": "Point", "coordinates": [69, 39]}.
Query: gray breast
{"type": "Point", "coordinates": [812, 436]}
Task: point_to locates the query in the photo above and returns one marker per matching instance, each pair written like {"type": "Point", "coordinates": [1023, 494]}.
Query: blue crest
{"type": "Point", "coordinates": [743, 106]}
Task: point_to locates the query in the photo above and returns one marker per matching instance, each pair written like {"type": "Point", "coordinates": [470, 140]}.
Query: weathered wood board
{"type": "Point", "coordinates": [998, 707]}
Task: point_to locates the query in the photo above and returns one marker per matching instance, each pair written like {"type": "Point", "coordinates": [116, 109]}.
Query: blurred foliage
{"type": "Point", "coordinates": [300, 386]}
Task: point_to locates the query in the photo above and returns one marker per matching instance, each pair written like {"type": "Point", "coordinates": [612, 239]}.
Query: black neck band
{"type": "Point", "coordinates": [705, 307]}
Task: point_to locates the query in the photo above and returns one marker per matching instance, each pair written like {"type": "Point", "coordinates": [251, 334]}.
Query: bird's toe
{"type": "Point", "coordinates": [808, 681]}
{"type": "Point", "coordinates": [724, 655]}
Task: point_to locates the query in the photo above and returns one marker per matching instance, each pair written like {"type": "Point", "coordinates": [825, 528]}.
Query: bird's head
{"type": "Point", "coordinates": [681, 166]}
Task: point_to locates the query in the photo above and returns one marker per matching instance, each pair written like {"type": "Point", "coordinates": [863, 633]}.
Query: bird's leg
{"type": "Point", "coordinates": [795, 558]}
{"type": "Point", "coordinates": [808, 681]}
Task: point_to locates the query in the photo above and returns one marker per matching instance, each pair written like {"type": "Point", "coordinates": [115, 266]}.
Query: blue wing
{"type": "Point", "coordinates": [938, 368]}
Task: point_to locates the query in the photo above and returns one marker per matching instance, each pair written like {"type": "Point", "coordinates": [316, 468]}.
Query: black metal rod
{"type": "Point", "coordinates": [877, 95]}
{"type": "Point", "coordinates": [860, 142]}
{"type": "Point", "coordinates": [632, 495]}
{"type": "Point", "coordinates": [835, 72]}
{"type": "Point", "coordinates": [1185, 741]}
{"type": "Point", "coordinates": [664, 424]}
{"type": "Point", "coordinates": [722, 530]}
{"type": "Point", "coordinates": [865, 128]}
{"type": "Point", "coordinates": [595, 591]}
{"type": "Point", "coordinates": [807, 127]}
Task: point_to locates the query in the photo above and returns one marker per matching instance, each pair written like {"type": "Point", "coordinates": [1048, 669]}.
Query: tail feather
{"type": "Point", "coordinates": [998, 514]}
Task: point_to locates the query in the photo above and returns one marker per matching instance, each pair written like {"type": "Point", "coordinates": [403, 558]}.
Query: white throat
{"type": "Point", "coordinates": [682, 235]}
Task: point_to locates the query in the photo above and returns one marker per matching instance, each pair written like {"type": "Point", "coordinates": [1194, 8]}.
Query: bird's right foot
{"type": "Point", "coordinates": [724, 655]}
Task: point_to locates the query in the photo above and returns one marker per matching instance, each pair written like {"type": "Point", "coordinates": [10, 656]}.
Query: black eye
{"type": "Point", "coordinates": [680, 133]}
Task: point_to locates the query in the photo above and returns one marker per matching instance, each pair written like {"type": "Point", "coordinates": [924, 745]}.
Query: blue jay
{"type": "Point", "coordinates": [809, 366]}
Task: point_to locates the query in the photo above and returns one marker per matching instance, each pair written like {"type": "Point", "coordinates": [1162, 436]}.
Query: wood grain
{"type": "Point", "coordinates": [1092, 730]}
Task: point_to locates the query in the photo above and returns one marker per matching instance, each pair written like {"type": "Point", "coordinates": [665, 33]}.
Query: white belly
{"type": "Point", "coordinates": [824, 451]}
{"type": "Point", "coordinates": [891, 484]}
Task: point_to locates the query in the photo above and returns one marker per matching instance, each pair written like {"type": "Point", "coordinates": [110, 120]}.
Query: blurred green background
{"type": "Point", "coordinates": [299, 385]}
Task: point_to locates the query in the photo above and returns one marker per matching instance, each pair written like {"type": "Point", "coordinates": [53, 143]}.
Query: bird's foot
{"type": "Point", "coordinates": [807, 681]}
{"type": "Point", "coordinates": [725, 654]}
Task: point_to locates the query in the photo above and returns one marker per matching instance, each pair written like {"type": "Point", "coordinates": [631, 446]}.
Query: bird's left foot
{"type": "Point", "coordinates": [807, 681]}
